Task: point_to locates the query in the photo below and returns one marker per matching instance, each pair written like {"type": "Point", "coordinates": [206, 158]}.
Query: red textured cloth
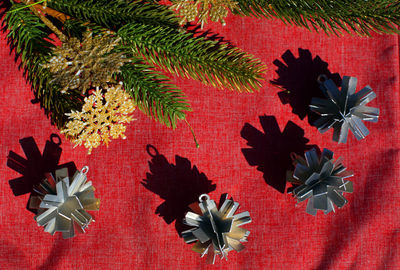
{"type": "Point", "coordinates": [129, 234]}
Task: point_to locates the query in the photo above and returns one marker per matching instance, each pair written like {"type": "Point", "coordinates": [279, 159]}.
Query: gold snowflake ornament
{"type": "Point", "coordinates": [87, 63]}
{"type": "Point", "coordinates": [102, 117]}
{"type": "Point", "coordinates": [217, 10]}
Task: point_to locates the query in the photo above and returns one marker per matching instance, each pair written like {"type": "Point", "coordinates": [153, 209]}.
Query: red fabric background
{"type": "Point", "coordinates": [128, 234]}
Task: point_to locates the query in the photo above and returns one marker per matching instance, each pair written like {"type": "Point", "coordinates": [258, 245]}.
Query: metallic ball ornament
{"type": "Point", "coordinates": [64, 203]}
{"type": "Point", "coordinates": [344, 110]}
{"type": "Point", "coordinates": [320, 180]}
{"type": "Point", "coordinates": [216, 231]}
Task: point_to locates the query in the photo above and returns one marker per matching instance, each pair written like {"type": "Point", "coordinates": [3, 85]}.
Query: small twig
{"type": "Point", "coordinates": [46, 21]}
{"type": "Point", "coordinates": [194, 136]}
{"type": "Point", "coordinates": [53, 13]}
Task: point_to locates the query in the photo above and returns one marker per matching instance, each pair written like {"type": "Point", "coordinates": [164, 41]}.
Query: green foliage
{"type": "Point", "coordinates": [153, 31]}
{"type": "Point", "coordinates": [332, 16]}
{"type": "Point", "coordinates": [151, 36]}
{"type": "Point", "coordinates": [113, 14]}
{"type": "Point", "coordinates": [29, 38]}
{"type": "Point", "coordinates": [75, 28]}
{"type": "Point", "coordinates": [153, 92]}
{"type": "Point", "coordinates": [210, 61]}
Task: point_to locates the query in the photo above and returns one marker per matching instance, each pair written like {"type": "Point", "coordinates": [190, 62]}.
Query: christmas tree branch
{"type": "Point", "coordinates": [332, 16]}
{"type": "Point", "coordinates": [153, 92]}
{"type": "Point", "coordinates": [46, 21]}
{"type": "Point", "coordinates": [37, 3]}
{"type": "Point", "coordinates": [114, 14]}
{"type": "Point", "coordinates": [212, 62]}
{"type": "Point", "coordinates": [28, 36]}
{"type": "Point", "coordinates": [153, 31]}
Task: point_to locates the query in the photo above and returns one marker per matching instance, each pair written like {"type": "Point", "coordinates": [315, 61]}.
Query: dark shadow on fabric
{"type": "Point", "coordinates": [57, 250]}
{"type": "Point", "coordinates": [178, 184]}
{"type": "Point", "coordinates": [35, 165]}
{"type": "Point", "coordinates": [359, 215]}
{"type": "Point", "coordinates": [271, 149]}
{"type": "Point", "coordinates": [297, 77]}
{"type": "Point", "coordinates": [197, 31]}
{"type": "Point", "coordinates": [5, 5]}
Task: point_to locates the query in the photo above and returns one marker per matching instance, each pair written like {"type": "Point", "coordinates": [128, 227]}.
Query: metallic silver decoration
{"type": "Point", "coordinates": [216, 231]}
{"type": "Point", "coordinates": [63, 203]}
{"type": "Point", "coordinates": [345, 109]}
{"type": "Point", "coordinates": [321, 180]}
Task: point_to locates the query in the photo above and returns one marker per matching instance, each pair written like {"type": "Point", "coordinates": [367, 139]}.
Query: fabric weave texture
{"type": "Point", "coordinates": [135, 229]}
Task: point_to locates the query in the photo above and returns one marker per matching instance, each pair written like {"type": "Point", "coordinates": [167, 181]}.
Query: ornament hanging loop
{"type": "Point", "coordinates": [152, 151]}
{"type": "Point", "coordinates": [204, 197]}
{"type": "Point", "coordinates": [85, 170]}
{"type": "Point", "coordinates": [54, 138]}
{"type": "Point", "coordinates": [322, 78]}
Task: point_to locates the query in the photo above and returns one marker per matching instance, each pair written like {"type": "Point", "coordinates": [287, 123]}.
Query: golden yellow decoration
{"type": "Point", "coordinates": [217, 10]}
{"type": "Point", "coordinates": [102, 118]}
{"type": "Point", "coordinates": [87, 63]}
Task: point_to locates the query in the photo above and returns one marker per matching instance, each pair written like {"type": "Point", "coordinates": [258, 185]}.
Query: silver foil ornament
{"type": "Point", "coordinates": [216, 231]}
{"type": "Point", "coordinates": [344, 110]}
{"type": "Point", "coordinates": [63, 202]}
{"type": "Point", "coordinates": [320, 180]}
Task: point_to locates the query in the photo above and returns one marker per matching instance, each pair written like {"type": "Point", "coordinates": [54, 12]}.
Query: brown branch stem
{"type": "Point", "coordinates": [53, 13]}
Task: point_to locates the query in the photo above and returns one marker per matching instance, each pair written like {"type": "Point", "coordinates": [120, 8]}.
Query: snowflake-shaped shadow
{"type": "Point", "coordinates": [178, 184]}
{"type": "Point", "coordinates": [271, 149]}
{"type": "Point", "coordinates": [297, 77]}
{"type": "Point", "coordinates": [36, 165]}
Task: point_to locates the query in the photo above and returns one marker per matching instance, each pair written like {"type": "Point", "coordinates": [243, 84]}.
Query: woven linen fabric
{"type": "Point", "coordinates": [137, 229]}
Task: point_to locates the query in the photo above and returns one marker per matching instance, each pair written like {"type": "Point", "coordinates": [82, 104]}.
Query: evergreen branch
{"type": "Point", "coordinates": [114, 14]}
{"type": "Point", "coordinates": [153, 92]}
{"type": "Point", "coordinates": [212, 62]}
{"type": "Point", "coordinates": [46, 21]}
{"type": "Point", "coordinates": [332, 16]}
{"type": "Point", "coordinates": [153, 31]}
{"type": "Point", "coordinates": [28, 36]}
{"type": "Point", "coordinates": [30, 5]}
{"type": "Point", "coordinates": [75, 28]}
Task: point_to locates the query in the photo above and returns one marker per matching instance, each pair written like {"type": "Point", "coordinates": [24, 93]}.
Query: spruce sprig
{"type": "Point", "coordinates": [153, 31]}
{"type": "Point", "coordinates": [151, 36]}
{"type": "Point", "coordinates": [153, 92]}
{"type": "Point", "coordinates": [212, 62]}
{"type": "Point", "coordinates": [29, 38]}
{"type": "Point", "coordinates": [113, 14]}
{"type": "Point", "coordinates": [332, 16]}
